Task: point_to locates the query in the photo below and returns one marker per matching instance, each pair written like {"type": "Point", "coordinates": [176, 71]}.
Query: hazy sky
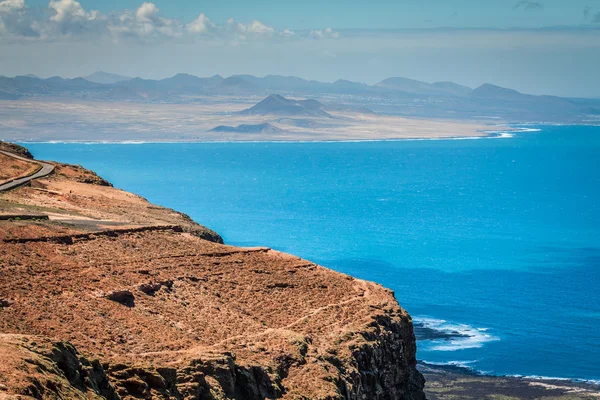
{"type": "Point", "coordinates": [545, 46]}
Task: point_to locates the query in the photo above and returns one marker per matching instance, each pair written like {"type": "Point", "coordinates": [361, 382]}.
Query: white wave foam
{"type": "Point", "coordinates": [554, 378]}
{"type": "Point", "coordinates": [490, 135]}
{"type": "Point", "coordinates": [93, 142]}
{"type": "Point", "coordinates": [461, 364]}
{"type": "Point", "coordinates": [506, 135]}
{"type": "Point", "coordinates": [468, 365]}
{"type": "Point", "coordinates": [529, 130]}
{"type": "Point", "coordinates": [460, 336]}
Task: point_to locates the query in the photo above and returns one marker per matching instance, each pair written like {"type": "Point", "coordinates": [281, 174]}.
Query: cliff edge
{"type": "Point", "coordinates": [106, 296]}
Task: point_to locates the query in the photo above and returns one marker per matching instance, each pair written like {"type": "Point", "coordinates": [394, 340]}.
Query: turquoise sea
{"type": "Point", "coordinates": [493, 245]}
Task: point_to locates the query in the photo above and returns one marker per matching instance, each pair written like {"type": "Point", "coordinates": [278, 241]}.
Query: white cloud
{"type": "Point", "coordinates": [8, 6]}
{"type": "Point", "coordinates": [324, 34]}
{"type": "Point", "coordinates": [202, 24]}
{"type": "Point", "coordinates": [66, 10]}
{"type": "Point", "coordinates": [256, 28]}
{"type": "Point", "coordinates": [69, 19]}
{"type": "Point", "coordinates": [144, 24]}
{"type": "Point", "coordinates": [318, 34]}
{"type": "Point", "coordinates": [147, 12]}
{"type": "Point", "coordinates": [260, 28]}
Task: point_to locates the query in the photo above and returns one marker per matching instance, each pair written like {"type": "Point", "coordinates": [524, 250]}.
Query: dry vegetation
{"type": "Point", "coordinates": [12, 168]}
{"type": "Point", "coordinates": [167, 311]}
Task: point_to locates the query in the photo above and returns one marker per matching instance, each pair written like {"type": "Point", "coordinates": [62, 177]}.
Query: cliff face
{"type": "Point", "coordinates": [112, 297]}
{"type": "Point", "coordinates": [34, 367]}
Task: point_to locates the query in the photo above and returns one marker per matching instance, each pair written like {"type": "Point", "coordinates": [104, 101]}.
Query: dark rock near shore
{"type": "Point", "coordinates": [423, 332]}
{"type": "Point", "coordinates": [449, 382]}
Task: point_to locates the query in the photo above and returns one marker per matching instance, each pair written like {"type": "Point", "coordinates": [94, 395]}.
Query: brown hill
{"type": "Point", "coordinates": [104, 295]}
{"type": "Point", "coordinates": [278, 105]}
{"type": "Point", "coordinates": [15, 148]}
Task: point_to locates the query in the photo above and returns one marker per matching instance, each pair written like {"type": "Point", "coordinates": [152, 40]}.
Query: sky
{"type": "Point", "coordinates": [539, 47]}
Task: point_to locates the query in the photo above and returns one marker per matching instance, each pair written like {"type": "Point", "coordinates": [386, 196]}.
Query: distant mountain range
{"type": "Point", "coordinates": [396, 95]}
{"type": "Point", "coordinates": [423, 88]}
{"type": "Point", "coordinates": [106, 77]}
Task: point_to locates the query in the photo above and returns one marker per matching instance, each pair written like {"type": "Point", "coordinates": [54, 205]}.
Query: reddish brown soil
{"type": "Point", "coordinates": [163, 304]}
{"type": "Point", "coordinates": [12, 168]}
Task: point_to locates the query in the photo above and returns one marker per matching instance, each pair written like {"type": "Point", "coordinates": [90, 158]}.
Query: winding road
{"type": "Point", "coordinates": [44, 171]}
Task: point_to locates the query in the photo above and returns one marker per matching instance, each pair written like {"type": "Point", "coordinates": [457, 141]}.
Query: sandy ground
{"type": "Point", "coordinates": [26, 120]}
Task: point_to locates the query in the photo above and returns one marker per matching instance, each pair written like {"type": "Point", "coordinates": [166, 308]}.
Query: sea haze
{"type": "Point", "coordinates": [493, 245]}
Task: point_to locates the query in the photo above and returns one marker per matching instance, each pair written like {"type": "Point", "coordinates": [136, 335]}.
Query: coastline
{"type": "Point", "coordinates": [437, 334]}
{"type": "Point", "coordinates": [194, 123]}
{"type": "Point", "coordinates": [160, 307]}
{"type": "Point", "coordinates": [490, 134]}
{"type": "Point", "coordinates": [450, 381]}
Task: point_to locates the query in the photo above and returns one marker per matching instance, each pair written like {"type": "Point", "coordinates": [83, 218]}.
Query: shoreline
{"type": "Point", "coordinates": [445, 382]}
{"type": "Point", "coordinates": [450, 334]}
{"type": "Point", "coordinates": [461, 369]}
{"type": "Point", "coordinates": [500, 134]}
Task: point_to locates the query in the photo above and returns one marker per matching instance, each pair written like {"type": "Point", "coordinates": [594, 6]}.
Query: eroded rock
{"type": "Point", "coordinates": [124, 297]}
{"type": "Point", "coordinates": [152, 287]}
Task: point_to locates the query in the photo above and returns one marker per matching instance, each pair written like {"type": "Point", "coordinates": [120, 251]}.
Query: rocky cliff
{"type": "Point", "coordinates": [110, 297]}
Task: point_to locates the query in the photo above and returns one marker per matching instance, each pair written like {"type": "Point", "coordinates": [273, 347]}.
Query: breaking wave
{"type": "Point", "coordinates": [441, 335]}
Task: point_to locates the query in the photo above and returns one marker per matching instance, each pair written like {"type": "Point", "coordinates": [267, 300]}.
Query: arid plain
{"type": "Point", "coordinates": [60, 120]}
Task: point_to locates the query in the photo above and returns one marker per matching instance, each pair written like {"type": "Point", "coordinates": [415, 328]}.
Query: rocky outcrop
{"type": "Point", "coordinates": [34, 367]}
{"type": "Point", "coordinates": [57, 370]}
{"type": "Point", "coordinates": [70, 239]}
{"type": "Point", "coordinates": [386, 366]}
{"type": "Point", "coordinates": [82, 175]}
{"type": "Point", "coordinates": [214, 378]}
{"type": "Point", "coordinates": [16, 149]}
{"type": "Point", "coordinates": [124, 297]}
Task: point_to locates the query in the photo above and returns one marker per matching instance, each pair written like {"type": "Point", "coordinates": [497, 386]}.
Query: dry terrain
{"type": "Point", "coordinates": [35, 120]}
{"type": "Point", "coordinates": [11, 168]}
{"type": "Point", "coordinates": [104, 295]}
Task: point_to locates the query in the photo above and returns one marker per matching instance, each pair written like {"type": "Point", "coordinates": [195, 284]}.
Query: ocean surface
{"type": "Point", "coordinates": [493, 245]}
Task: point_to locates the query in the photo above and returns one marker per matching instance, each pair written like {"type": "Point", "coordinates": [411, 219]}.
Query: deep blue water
{"type": "Point", "coordinates": [496, 238]}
